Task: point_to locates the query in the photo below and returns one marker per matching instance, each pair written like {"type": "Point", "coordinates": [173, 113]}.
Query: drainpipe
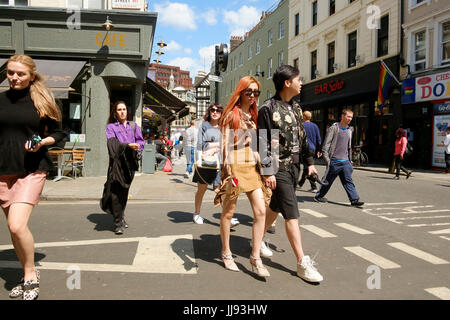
{"type": "Point", "coordinates": [402, 60]}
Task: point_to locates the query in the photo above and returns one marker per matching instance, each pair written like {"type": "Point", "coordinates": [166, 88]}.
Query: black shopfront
{"type": "Point", "coordinates": [357, 90]}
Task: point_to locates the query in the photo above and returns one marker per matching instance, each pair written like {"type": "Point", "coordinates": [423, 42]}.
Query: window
{"type": "Point", "coordinates": [296, 63]}
{"type": "Point", "coordinates": [314, 13]}
{"type": "Point", "coordinates": [445, 43]}
{"type": "Point", "coordinates": [351, 58]}
{"type": "Point", "coordinates": [268, 94]}
{"type": "Point", "coordinates": [420, 50]}
{"type": "Point", "coordinates": [332, 7]}
{"type": "Point", "coordinates": [241, 59]}
{"type": "Point", "coordinates": [330, 67]}
{"type": "Point", "coordinates": [269, 37]}
{"type": "Point", "coordinates": [258, 46]}
{"type": "Point", "coordinates": [17, 3]}
{"type": "Point", "coordinates": [313, 64]}
{"type": "Point", "coordinates": [258, 70]}
{"type": "Point", "coordinates": [383, 37]}
{"type": "Point", "coordinates": [250, 52]}
{"type": "Point", "coordinates": [297, 24]}
{"type": "Point", "coordinates": [269, 68]}
{"type": "Point", "coordinates": [280, 58]}
{"type": "Point", "coordinates": [86, 4]}
{"type": "Point", "coordinates": [281, 30]}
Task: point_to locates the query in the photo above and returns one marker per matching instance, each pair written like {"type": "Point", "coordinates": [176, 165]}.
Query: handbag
{"type": "Point", "coordinates": [208, 161]}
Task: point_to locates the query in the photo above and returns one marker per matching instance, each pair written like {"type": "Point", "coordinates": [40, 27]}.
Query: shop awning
{"type": "Point", "coordinates": [58, 75]}
{"type": "Point", "coordinates": [163, 102]}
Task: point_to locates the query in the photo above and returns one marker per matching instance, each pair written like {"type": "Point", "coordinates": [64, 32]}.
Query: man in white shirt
{"type": "Point", "coordinates": [189, 143]}
{"type": "Point", "coordinates": [447, 150]}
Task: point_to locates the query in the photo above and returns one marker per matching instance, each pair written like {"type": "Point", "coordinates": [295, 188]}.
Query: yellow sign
{"type": "Point", "coordinates": [110, 40]}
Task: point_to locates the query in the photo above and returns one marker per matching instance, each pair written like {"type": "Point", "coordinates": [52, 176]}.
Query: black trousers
{"type": "Point", "coordinates": [399, 166]}
{"type": "Point", "coordinates": [447, 162]}
{"type": "Point", "coordinates": [305, 173]}
{"type": "Point", "coordinates": [119, 198]}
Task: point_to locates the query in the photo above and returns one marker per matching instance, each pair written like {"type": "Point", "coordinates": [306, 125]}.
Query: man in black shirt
{"type": "Point", "coordinates": [281, 169]}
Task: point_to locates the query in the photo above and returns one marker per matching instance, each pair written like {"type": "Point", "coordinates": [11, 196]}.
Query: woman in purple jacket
{"type": "Point", "coordinates": [129, 135]}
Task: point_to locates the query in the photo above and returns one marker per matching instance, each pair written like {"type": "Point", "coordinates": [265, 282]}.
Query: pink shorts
{"type": "Point", "coordinates": [15, 188]}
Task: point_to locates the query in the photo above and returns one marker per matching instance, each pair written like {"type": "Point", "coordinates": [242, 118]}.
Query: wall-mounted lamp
{"type": "Point", "coordinates": [317, 73]}
{"type": "Point", "coordinates": [108, 24]}
{"type": "Point", "coordinates": [357, 58]}
{"type": "Point", "coordinates": [157, 60]}
{"type": "Point", "coordinates": [335, 66]}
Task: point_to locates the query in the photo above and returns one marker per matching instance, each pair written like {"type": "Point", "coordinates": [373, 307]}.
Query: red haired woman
{"type": "Point", "coordinates": [240, 170]}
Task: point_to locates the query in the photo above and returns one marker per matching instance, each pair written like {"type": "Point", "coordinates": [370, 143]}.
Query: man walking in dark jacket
{"type": "Point", "coordinates": [314, 142]}
{"type": "Point", "coordinates": [281, 169]}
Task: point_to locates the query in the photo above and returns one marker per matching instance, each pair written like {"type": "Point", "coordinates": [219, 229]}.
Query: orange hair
{"type": "Point", "coordinates": [233, 105]}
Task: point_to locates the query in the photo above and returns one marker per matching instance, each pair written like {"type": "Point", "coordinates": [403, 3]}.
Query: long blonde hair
{"type": "Point", "coordinates": [42, 97]}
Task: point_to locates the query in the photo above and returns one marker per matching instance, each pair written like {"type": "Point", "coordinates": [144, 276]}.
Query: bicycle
{"type": "Point", "coordinates": [359, 157]}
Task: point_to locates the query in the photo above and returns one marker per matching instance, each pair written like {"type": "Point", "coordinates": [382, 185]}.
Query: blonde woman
{"type": "Point", "coordinates": [240, 170]}
{"type": "Point", "coordinates": [26, 109]}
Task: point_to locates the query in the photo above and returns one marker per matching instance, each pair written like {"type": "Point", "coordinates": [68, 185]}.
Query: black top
{"type": "Point", "coordinates": [19, 120]}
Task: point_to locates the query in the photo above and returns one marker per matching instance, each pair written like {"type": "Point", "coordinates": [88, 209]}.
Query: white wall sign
{"type": "Point", "coordinates": [126, 4]}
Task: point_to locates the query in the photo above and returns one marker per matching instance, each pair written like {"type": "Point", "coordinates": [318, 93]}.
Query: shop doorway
{"type": "Point", "coordinates": [120, 91]}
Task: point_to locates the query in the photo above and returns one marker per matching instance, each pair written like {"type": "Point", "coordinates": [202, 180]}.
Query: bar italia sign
{"type": "Point", "coordinates": [426, 88]}
{"type": "Point", "coordinates": [328, 87]}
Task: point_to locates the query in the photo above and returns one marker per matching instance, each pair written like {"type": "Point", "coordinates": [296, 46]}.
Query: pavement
{"type": "Point", "coordinates": [166, 186]}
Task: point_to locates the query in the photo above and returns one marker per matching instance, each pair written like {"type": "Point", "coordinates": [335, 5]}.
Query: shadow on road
{"type": "Point", "coordinates": [102, 221]}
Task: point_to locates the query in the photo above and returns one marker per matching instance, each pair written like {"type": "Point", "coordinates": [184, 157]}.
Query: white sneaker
{"type": "Point", "coordinates": [198, 219]}
{"type": "Point", "coordinates": [234, 222]}
{"type": "Point", "coordinates": [186, 175]}
{"type": "Point", "coordinates": [265, 251]}
{"type": "Point", "coordinates": [307, 271]}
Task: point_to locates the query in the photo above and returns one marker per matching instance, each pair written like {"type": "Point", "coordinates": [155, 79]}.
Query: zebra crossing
{"type": "Point", "coordinates": [413, 215]}
{"type": "Point", "coordinates": [387, 211]}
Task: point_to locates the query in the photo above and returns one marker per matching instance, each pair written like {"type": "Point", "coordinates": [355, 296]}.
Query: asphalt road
{"type": "Point", "coordinates": [396, 247]}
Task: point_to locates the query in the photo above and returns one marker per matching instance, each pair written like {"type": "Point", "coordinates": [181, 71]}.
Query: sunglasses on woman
{"type": "Point", "coordinates": [249, 92]}
{"type": "Point", "coordinates": [215, 110]}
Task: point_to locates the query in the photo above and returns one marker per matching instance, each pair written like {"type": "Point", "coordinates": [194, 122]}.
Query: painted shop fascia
{"type": "Point", "coordinates": [357, 89]}
{"type": "Point", "coordinates": [115, 65]}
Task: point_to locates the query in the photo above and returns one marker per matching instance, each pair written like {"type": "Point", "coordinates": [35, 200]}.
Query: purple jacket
{"type": "Point", "coordinates": [125, 135]}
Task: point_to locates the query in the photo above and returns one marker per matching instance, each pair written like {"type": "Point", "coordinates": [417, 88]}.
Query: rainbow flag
{"type": "Point", "coordinates": [384, 85]}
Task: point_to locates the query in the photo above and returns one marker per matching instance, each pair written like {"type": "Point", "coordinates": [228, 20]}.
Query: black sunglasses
{"type": "Point", "coordinates": [249, 92]}
{"type": "Point", "coordinates": [215, 110]}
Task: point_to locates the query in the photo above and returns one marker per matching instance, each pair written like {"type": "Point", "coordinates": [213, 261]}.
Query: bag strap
{"type": "Point", "coordinates": [196, 170]}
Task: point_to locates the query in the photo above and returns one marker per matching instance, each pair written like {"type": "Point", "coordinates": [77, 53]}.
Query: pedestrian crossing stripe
{"type": "Point", "coordinates": [165, 254]}
{"type": "Point", "coordinates": [313, 213]}
{"type": "Point", "coordinates": [318, 231]}
{"type": "Point", "coordinates": [353, 228]}
{"type": "Point", "coordinates": [442, 293]}
{"type": "Point", "coordinates": [418, 253]}
{"type": "Point", "coordinates": [444, 231]}
{"type": "Point", "coordinates": [373, 257]}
